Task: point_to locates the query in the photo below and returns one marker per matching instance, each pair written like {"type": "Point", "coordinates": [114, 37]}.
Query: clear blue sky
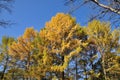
{"type": "Point", "coordinates": [34, 13]}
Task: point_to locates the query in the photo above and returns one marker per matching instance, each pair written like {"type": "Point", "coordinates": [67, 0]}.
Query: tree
{"type": "Point", "coordinates": [65, 50]}
{"type": "Point", "coordinates": [106, 41]}
{"type": "Point", "coordinates": [6, 42]}
{"type": "Point", "coordinates": [62, 42]}
{"type": "Point", "coordinates": [48, 52]}
{"type": "Point", "coordinates": [104, 9]}
{"type": "Point", "coordinates": [5, 5]}
{"type": "Point", "coordinates": [22, 51]}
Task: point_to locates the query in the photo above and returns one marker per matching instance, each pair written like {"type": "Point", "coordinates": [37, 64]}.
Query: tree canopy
{"type": "Point", "coordinates": [63, 50]}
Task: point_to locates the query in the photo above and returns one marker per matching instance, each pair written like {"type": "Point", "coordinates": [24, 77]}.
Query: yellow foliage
{"type": "Point", "coordinates": [59, 35]}
{"type": "Point", "coordinates": [54, 46]}
{"type": "Point", "coordinates": [23, 46]}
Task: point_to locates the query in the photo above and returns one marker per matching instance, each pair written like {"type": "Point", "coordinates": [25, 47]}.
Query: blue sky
{"type": "Point", "coordinates": [34, 13]}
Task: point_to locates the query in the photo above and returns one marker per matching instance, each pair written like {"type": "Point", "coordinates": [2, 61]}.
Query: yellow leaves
{"type": "Point", "coordinates": [96, 29]}
{"type": "Point", "coordinates": [59, 27]}
{"type": "Point", "coordinates": [61, 36]}
{"type": "Point", "coordinates": [24, 44]}
{"type": "Point", "coordinates": [84, 44]}
{"type": "Point", "coordinates": [1, 56]}
{"type": "Point", "coordinates": [75, 52]}
{"type": "Point", "coordinates": [29, 33]}
{"type": "Point", "coordinates": [100, 33]}
{"type": "Point", "coordinates": [67, 58]}
{"type": "Point", "coordinates": [93, 74]}
{"type": "Point", "coordinates": [118, 60]}
{"type": "Point", "coordinates": [6, 42]}
{"type": "Point", "coordinates": [61, 68]}
{"type": "Point", "coordinates": [46, 58]}
{"type": "Point", "coordinates": [61, 20]}
{"type": "Point", "coordinates": [54, 78]}
{"type": "Point", "coordinates": [106, 41]}
{"type": "Point", "coordinates": [64, 45]}
{"type": "Point", "coordinates": [116, 37]}
{"type": "Point", "coordinates": [54, 46]}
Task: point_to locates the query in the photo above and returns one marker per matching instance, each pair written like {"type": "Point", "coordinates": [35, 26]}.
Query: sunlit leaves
{"type": "Point", "coordinates": [50, 52]}
{"type": "Point", "coordinates": [23, 46]}
{"type": "Point", "coordinates": [107, 43]}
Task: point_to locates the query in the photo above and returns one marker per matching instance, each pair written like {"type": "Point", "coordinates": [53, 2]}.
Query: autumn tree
{"type": "Point", "coordinates": [100, 57]}
{"type": "Point", "coordinates": [22, 51]}
{"type": "Point", "coordinates": [65, 50]}
{"type": "Point", "coordinates": [106, 42]}
{"type": "Point", "coordinates": [53, 50]}
{"type": "Point", "coordinates": [5, 57]}
{"type": "Point", "coordinates": [62, 41]}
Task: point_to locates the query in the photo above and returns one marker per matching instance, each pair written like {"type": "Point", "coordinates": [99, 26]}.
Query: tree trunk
{"type": "Point", "coordinates": [103, 66]}
{"type": "Point", "coordinates": [3, 72]}
{"type": "Point", "coordinates": [76, 71]}
{"type": "Point", "coordinates": [13, 75]}
{"type": "Point", "coordinates": [103, 63]}
{"type": "Point", "coordinates": [28, 66]}
{"type": "Point", "coordinates": [85, 72]}
{"type": "Point", "coordinates": [62, 74]}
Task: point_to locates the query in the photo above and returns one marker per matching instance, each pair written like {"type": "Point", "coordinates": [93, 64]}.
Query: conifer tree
{"type": "Point", "coordinates": [62, 41]}
{"type": "Point", "coordinates": [22, 51]}
{"type": "Point", "coordinates": [106, 41]}
{"type": "Point", "coordinates": [5, 58]}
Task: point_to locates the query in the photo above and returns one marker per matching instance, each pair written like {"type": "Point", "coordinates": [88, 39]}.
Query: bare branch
{"type": "Point", "coordinates": [4, 23]}
{"type": "Point", "coordinates": [106, 7]}
{"type": "Point", "coordinates": [103, 9]}
{"type": "Point", "coordinates": [5, 5]}
{"type": "Point", "coordinates": [77, 7]}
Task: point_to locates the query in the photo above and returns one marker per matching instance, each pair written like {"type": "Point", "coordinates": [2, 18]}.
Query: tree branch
{"type": "Point", "coordinates": [106, 7]}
